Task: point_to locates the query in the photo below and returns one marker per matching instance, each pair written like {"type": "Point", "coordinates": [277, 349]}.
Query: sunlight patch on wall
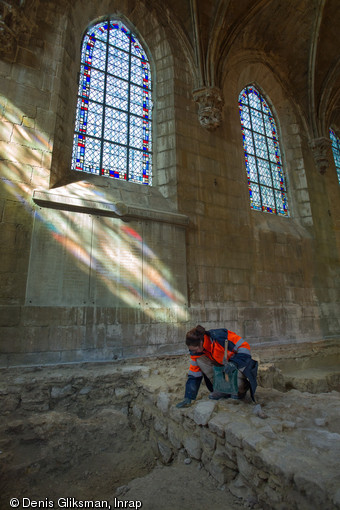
{"type": "Point", "coordinates": [80, 259]}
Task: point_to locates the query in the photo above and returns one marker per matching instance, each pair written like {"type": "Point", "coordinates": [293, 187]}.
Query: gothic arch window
{"type": "Point", "coordinates": [336, 150]}
{"type": "Point", "coordinates": [266, 180]}
{"type": "Point", "coordinates": [112, 134]}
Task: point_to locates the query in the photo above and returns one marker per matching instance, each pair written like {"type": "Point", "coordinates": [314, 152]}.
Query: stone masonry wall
{"type": "Point", "coordinates": [195, 251]}
{"type": "Point", "coordinates": [78, 282]}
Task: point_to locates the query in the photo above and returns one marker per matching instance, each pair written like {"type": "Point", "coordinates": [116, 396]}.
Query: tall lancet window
{"type": "Point", "coordinates": [113, 118]}
{"type": "Point", "coordinates": [266, 180]}
{"type": "Point", "coordinates": [336, 150]}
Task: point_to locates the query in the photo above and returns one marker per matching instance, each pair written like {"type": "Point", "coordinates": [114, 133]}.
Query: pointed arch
{"type": "Point", "coordinates": [113, 134]}
{"type": "Point", "coordinates": [266, 180]}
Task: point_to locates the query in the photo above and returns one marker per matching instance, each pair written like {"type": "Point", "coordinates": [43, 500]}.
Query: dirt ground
{"type": "Point", "coordinates": [84, 449]}
{"type": "Point", "coordinates": [131, 474]}
{"type": "Point", "coordinates": [180, 486]}
{"type": "Point", "coordinates": [63, 443]}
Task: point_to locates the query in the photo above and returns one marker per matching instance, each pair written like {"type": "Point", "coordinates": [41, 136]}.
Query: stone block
{"type": "Point", "coordinates": [29, 59]}
{"type": "Point", "coordinates": [163, 401]}
{"type": "Point", "coordinates": [245, 468]}
{"type": "Point", "coordinates": [239, 488]}
{"type": "Point", "coordinates": [9, 402]}
{"type": "Point", "coordinates": [220, 471]}
{"type": "Point", "coordinates": [160, 426]}
{"type": "Point", "coordinates": [193, 447]}
{"type": "Point", "coordinates": [22, 155]}
{"type": "Point", "coordinates": [26, 136]}
{"type": "Point", "coordinates": [188, 424]}
{"type": "Point", "coordinates": [10, 316]}
{"type": "Point", "coordinates": [165, 451]}
{"type": "Point", "coordinates": [58, 393]}
{"type": "Point", "coordinates": [35, 401]}
{"type": "Point", "coordinates": [202, 412]}
{"type": "Point", "coordinates": [273, 495]}
{"type": "Point", "coordinates": [254, 441]}
{"type": "Point", "coordinates": [33, 358]}
{"type": "Point", "coordinates": [208, 439]}
{"type": "Point", "coordinates": [176, 414]}
{"type": "Point", "coordinates": [218, 423]}
{"type": "Point", "coordinates": [175, 435]}
{"type": "Point", "coordinates": [206, 458]}
{"type": "Point", "coordinates": [6, 129]}
{"type": "Point", "coordinates": [235, 432]}
{"type": "Point", "coordinates": [267, 432]}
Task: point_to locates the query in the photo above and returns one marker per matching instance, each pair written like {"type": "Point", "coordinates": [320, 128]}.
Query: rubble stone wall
{"type": "Point", "coordinates": [281, 453]}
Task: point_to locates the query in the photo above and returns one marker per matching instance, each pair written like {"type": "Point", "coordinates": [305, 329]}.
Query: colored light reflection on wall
{"type": "Point", "coordinates": [113, 261]}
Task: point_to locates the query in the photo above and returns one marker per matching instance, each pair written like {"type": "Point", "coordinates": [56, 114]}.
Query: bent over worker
{"type": "Point", "coordinates": [218, 348]}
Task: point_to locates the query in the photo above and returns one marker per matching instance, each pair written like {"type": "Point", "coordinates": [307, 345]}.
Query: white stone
{"type": "Point", "coordinates": [61, 392]}
{"type": "Point", "coordinates": [163, 401]}
{"type": "Point", "coordinates": [202, 412]}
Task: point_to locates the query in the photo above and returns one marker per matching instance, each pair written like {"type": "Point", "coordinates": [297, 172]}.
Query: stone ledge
{"type": "Point", "coordinates": [125, 212]}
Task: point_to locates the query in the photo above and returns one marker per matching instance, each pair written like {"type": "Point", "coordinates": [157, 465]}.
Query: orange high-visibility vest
{"type": "Point", "coordinates": [223, 347]}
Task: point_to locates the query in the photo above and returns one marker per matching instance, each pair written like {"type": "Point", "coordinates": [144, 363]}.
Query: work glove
{"type": "Point", "coordinates": [185, 403]}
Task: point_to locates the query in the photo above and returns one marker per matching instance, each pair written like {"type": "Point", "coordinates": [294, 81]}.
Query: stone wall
{"type": "Point", "coordinates": [93, 269]}
{"type": "Point", "coordinates": [281, 453]}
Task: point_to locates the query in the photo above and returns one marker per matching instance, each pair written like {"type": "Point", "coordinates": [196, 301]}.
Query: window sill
{"type": "Point", "coordinates": [280, 224]}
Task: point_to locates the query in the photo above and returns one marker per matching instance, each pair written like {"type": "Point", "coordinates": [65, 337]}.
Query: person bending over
{"type": "Point", "coordinates": [218, 348]}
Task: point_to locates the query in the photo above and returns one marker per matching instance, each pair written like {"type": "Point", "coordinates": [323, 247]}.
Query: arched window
{"type": "Point", "coordinates": [266, 182]}
{"type": "Point", "coordinates": [113, 118]}
{"type": "Point", "coordinates": [336, 150]}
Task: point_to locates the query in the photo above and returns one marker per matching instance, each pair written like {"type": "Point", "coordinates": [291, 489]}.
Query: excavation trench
{"type": "Point", "coordinates": [111, 433]}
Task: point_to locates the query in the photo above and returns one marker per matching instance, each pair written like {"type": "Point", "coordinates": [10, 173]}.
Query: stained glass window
{"type": "Point", "coordinates": [113, 135]}
{"type": "Point", "coordinates": [336, 150]}
{"type": "Point", "coordinates": [266, 181]}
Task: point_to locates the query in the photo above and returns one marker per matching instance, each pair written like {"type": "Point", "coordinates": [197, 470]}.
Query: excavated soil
{"type": "Point", "coordinates": [72, 434]}
{"type": "Point", "coordinates": [71, 450]}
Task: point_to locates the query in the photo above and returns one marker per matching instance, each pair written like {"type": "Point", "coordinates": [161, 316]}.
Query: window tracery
{"type": "Point", "coordinates": [266, 180]}
{"type": "Point", "coordinates": [113, 135]}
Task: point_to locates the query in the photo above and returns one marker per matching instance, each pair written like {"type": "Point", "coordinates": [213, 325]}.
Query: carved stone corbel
{"type": "Point", "coordinates": [210, 104]}
{"type": "Point", "coordinates": [13, 24]}
{"type": "Point", "coordinates": [321, 149]}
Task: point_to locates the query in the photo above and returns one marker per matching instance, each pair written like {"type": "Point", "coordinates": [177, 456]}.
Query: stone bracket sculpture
{"type": "Point", "coordinates": [321, 148]}
{"type": "Point", "coordinates": [210, 104]}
